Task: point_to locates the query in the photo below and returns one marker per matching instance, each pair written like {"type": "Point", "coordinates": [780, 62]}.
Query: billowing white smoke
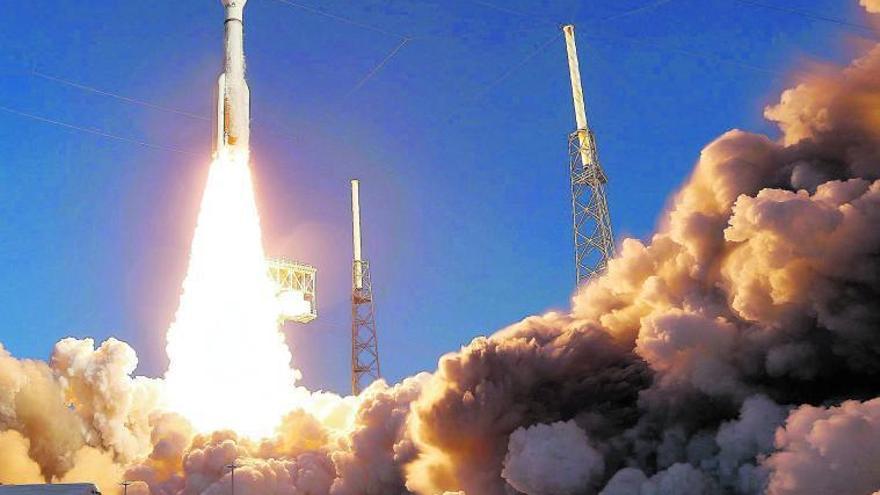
{"type": "Point", "coordinates": [828, 450]}
{"type": "Point", "coordinates": [678, 479]}
{"type": "Point", "coordinates": [872, 6]}
{"type": "Point", "coordinates": [727, 461]}
{"type": "Point", "coordinates": [81, 417]}
{"type": "Point", "coordinates": [746, 440]}
{"type": "Point", "coordinates": [554, 459]}
{"type": "Point", "coordinates": [17, 466]}
{"type": "Point", "coordinates": [98, 384]}
{"type": "Point", "coordinates": [374, 449]}
{"type": "Point", "coordinates": [757, 295]}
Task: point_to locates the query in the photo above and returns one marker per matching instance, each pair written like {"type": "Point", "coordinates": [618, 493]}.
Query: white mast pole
{"type": "Point", "coordinates": [577, 93]}
{"type": "Point", "coordinates": [356, 237]}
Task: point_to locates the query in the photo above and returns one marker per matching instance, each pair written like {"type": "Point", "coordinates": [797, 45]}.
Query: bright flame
{"type": "Point", "coordinates": [229, 365]}
{"type": "Point", "coordinates": [292, 303]}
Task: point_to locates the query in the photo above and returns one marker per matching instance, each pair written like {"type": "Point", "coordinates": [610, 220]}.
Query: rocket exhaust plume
{"type": "Point", "coordinates": [229, 364]}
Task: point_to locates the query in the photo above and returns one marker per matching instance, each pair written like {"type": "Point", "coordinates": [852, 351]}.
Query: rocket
{"type": "Point", "coordinates": [233, 96]}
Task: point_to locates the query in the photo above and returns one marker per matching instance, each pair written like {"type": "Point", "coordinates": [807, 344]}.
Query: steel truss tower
{"type": "Point", "coordinates": [593, 238]}
{"type": "Point", "coordinates": [364, 343]}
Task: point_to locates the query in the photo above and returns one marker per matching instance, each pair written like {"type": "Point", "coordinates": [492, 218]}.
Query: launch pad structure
{"type": "Point", "coordinates": [364, 341]}
{"type": "Point", "coordinates": [591, 221]}
{"type": "Point", "coordinates": [295, 278]}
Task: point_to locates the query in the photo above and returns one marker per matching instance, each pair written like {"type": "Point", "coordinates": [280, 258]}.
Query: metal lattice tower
{"type": "Point", "coordinates": [364, 343]}
{"type": "Point", "coordinates": [593, 238]}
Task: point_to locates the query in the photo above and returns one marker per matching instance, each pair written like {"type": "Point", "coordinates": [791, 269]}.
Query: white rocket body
{"type": "Point", "coordinates": [233, 95]}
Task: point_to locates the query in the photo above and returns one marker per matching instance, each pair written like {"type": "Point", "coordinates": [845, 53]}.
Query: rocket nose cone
{"type": "Point", "coordinates": [234, 8]}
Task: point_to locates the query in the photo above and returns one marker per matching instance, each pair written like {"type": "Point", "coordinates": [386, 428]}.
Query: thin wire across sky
{"type": "Point", "coordinates": [404, 40]}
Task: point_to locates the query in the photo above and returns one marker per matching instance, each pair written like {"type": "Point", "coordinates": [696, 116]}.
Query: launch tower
{"type": "Point", "coordinates": [593, 239]}
{"type": "Point", "coordinates": [364, 343]}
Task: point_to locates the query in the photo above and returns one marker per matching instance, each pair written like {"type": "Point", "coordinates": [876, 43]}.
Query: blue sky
{"type": "Point", "coordinates": [459, 140]}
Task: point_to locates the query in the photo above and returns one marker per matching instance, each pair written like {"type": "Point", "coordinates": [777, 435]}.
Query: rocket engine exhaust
{"type": "Point", "coordinates": [228, 301]}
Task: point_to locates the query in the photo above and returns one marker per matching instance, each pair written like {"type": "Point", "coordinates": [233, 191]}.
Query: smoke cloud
{"type": "Point", "coordinates": [554, 459]}
{"type": "Point", "coordinates": [16, 466]}
{"type": "Point", "coordinates": [736, 351]}
{"type": "Point", "coordinates": [80, 416]}
{"type": "Point", "coordinates": [828, 450]}
{"type": "Point", "coordinates": [872, 6]}
{"type": "Point", "coordinates": [757, 294]}
{"type": "Point", "coordinates": [542, 370]}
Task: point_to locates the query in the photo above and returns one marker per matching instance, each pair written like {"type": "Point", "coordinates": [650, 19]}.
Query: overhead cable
{"type": "Point", "coordinates": [96, 132]}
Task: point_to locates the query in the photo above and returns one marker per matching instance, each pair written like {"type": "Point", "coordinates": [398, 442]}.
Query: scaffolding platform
{"type": "Point", "coordinates": [296, 289]}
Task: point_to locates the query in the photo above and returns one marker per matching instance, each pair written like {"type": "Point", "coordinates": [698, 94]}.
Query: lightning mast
{"type": "Point", "coordinates": [593, 239]}
{"type": "Point", "coordinates": [364, 343]}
